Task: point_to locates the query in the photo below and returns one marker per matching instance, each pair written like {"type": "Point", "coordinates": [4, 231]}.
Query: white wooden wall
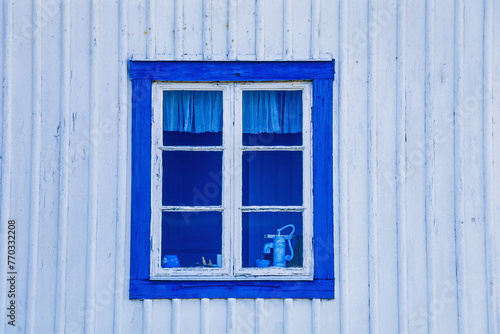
{"type": "Point", "coordinates": [416, 135]}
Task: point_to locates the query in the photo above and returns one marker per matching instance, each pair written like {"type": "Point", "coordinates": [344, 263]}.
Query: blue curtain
{"type": "Point", "coordinates": [192, 111]}
{"type": "Point", "coordinates": [263, 111]}
{"type": "Point", "coordinates": [272, 111]}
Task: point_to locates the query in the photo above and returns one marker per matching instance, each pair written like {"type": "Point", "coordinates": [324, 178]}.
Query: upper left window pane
{"type": "Point", "coordinates": [192, 118]}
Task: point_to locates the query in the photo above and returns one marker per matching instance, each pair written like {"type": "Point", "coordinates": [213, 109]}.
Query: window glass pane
{"type": "Point", "coordinates": [192, 178]}
{"type": "Point", "coordinates": [192, 118]}
{"type": "Point", "coordinates": [188, 238]}
{"type": "Point", "coordinates": [272, 117]}
{"type": "Point", "coordinates": [258, 242]}
{"type": "Point", "coordinates": [272, 178]}
{"type": "Point", "coordinates": [176, 138]}
{"type": "Point", "coordinates": [272, 139]}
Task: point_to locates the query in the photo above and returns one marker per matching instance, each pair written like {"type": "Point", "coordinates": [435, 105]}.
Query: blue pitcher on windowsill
{"type": "Point", "coordinates": [278, 244]}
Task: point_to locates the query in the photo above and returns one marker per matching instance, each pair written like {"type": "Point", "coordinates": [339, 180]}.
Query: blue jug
{"type": "Point", "coordinates": [279, 246]}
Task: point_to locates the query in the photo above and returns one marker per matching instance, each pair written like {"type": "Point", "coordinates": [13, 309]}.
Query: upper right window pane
{"type": "Point", "coordinates": [272, 118]}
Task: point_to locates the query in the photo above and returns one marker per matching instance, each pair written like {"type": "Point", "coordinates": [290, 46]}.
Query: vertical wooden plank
{"type": "Point", "coordinates": [232, 29]}
{"type": "Point", "coordinates": [90, 277]}
{"type": "Point", "coordinates": [36, 121]}
{"type": "Point", "coordinates": [460, 252]}
{"type": "Point", "coordinates": [287, 315]}
{"type": "Point", "coordinates": [62, 236]}
{"type": "Point", "coordinates": [108, 147]}
{"type": "Point", "coordinates": [162, 310]}
{"type": "Point", "coordinates": [220, 29]}
{"type": "Point", "coordinates": [491, 237]}
{"type": "Point", "coordinates": [259, 30]}
{"type": "Point", "coordinates": [316, 316]}
{"type": "Point", "coordinates": [430, 155]}
{"type": "Point", "coordinates": [179, 29]}
{"type": "Point", "coordinates": [164, 23]}
{"type": "Point", "coordinates": [272, 316]}
{"type": "Point", "coordinates": [193, 30]}
{"type": "Point", "coordinates": [328, 318]}
{"type": "Point", "coordinates": [301, 29]}
{"type": "Point", "coordinates": [151, 29]}
{"type": "Point", "coordinates": [315, 24]}
{"type": "Point", "coordinates": [357, 161]}
{"type": "Point", "coordinates": [50, 135]}
{"type": "Point", "coordinates": [415, 161]}
{"type": "Point", "coordinates": [6, 136]}
{"type": "Point", "coordinates": [21, 83]}
{"type": "Point", "coordinates": [443, 307]}
{"type": "Point", "coordinates": [495, 95]}
{"type": "Point", "coordinates": [137, 29]}
{"type": "Point", "coordinates": [259, 316]}
{"type": "Point", "coordinates": [176, 316]}
{"type": "Point", "coordinates": [246, 30]}
{"type": "Point", "coordinates": [218, 315]}
{"type": "Point", "coordinates": [122, 209]}
{"type": "Point", "coordinates": [301, 316]}
{"type": "Point", "coordinates": [190, 316]}
{"type": "Point", "coordinates": [474, 187]}
{"type": "Point", "coordinates": [231, 316]}
{"type": "Point", "coordinates": [329, 34]}
{"type": "Point", "coordinates": [401, 219]}
{"type": "Point", "coordinates": [382, 157]}
{"type": "Point", "coordinates": [245, 316]}
{"type": "Point", "coordinates": [273, 34]}
{"type": "Point", "coordinates": [79, 147]}
{"type": "Point", "coordinates": [344, 295]}
{"type": "Point", "coordinates": [373, 265]}
{"type": "Point", "coordinates": [147, 316]}
{"type": "Point", "coordinates": [207, 30]}
{"type": "Point", "coordinates": [205, 316]}
{"type": "Point", "coordinates": [288, 29]}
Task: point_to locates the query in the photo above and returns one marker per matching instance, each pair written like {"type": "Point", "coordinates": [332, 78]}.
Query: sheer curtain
{"type": "Point", "coordinates": [263, 111]}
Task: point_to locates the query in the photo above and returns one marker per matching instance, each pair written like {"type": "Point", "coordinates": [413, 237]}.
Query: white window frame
{"type": "Point", "coordinates": [231, 208]}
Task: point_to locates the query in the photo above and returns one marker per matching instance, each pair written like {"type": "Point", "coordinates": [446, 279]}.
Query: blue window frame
{"type": "Point", "coordinates": [143, 75]}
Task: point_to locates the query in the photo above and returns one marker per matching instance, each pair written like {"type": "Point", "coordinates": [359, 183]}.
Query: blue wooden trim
{"type": "Point", "coordinates": [144, 289]}
{"type": "Point", "coordinates": [231, 70]}
{"type": "Point", "coordinates": [143, 73]}
{"type": "Point", "coordinates": [141, 179]}
{"type": "Point", "coordinates": [322, 114]}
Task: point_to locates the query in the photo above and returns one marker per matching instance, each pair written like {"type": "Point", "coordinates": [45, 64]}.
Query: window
{"type": "Point", "coordinates": [231, 180]}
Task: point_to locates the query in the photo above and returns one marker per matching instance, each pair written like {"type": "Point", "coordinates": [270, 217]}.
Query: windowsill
{"type": "Point", "coordinates": [146, 289]}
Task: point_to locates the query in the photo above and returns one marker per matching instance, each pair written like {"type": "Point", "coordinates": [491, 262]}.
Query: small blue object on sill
{"type": "Point", "coordinates": [170, 261]}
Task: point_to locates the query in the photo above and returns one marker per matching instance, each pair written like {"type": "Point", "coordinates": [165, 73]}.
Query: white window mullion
{"type": "Point", "coordinates": [237, 175]}
{"type": "Point", "coordinates": [227, 179]}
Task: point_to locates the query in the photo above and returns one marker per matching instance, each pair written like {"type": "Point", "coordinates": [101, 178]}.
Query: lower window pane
{"type": "Point", "coordinates": [191, 239]}
{"type": "Point", "coordinates": [259, 249]}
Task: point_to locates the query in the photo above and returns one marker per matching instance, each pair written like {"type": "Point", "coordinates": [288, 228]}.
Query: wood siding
{"type": "Point", "coordinates": [416, 135]}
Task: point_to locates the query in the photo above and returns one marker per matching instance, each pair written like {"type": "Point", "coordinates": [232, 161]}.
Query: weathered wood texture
{"type": "Point", "coordinates": [415, 137]}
